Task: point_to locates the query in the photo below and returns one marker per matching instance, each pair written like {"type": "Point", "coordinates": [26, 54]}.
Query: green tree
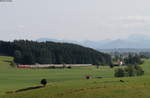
{"type": "Point", "coordinates": [133, 60]}
{"type": "Point", "coordinates": [139, 70]}
{"type": "Point", "coordinates": [130, 69]}
{"type": "Point", "coordinates": [44, 82]}
{"type": "Point", "coordinates": [119, 72]}
{"type": "Point", "coordinates": [18, 56]}
{"type": "Point", "coordinates": [31, 52]}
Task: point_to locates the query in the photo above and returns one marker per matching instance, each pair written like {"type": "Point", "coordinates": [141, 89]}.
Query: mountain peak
{"type": "Point", "coordinates": [133, 41]}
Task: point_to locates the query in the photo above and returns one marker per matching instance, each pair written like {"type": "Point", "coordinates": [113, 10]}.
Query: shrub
{"type": "Point", "coordinates": [119, 72]}
{"type": "Point", "coordinates": [69, 67]}
{"type": "Point", "coordinates": [52, 67]}
{"type": "Point", "coordinates": [111, 66]}
{"type": "Point", "coordinates": [130, 70]}
{"type": "Point", "coordinates": [44, 82]}
{"type": "Point", "coordinates": [139, 70]}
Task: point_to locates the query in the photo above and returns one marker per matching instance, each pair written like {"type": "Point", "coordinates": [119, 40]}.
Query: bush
{"type": "Point", "coordinates": [130, 71]}
{"type": "Point", "coordinates": [111, 66]}
{"type": "Point", "coordinates": [69, 67]}
{"type": "Point", "coordinates": [52, 67]}
{"type": "Point", "coordinates": [44, 82]}
{"type": "Point", "coordinates": [119, 72]}
{"type": "Point", "coordinates": [139, 70]}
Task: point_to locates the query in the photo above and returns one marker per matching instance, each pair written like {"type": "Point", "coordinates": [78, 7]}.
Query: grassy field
{"type": "Point", "coordinates": [70, 83]}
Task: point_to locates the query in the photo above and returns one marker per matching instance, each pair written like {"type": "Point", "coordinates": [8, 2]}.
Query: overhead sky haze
{"type": "Point", "coordinates": [74, 19]}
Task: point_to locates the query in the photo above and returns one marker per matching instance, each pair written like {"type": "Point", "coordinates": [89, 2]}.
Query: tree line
{"type": "Point", "coordinates": [32, 52]}
{"type": "Point", "coordinates": [132, 67]}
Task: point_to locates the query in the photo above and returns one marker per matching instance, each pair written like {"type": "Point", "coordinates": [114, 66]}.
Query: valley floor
{"type": "Point", "coordinates": [71, 83]}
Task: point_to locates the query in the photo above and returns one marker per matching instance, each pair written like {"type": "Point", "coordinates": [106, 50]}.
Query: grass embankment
{"type": "Point", "coordinates": [70, 83]}
{"type": "Point", "coordinates": [5, 62]}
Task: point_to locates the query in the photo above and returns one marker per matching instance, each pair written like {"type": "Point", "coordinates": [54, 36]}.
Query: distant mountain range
{"type": "Point", "coordinates": [133, 41]}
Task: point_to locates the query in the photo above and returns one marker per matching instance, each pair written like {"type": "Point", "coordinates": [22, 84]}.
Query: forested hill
{"type": "Point", "coordinates": [31, 52]}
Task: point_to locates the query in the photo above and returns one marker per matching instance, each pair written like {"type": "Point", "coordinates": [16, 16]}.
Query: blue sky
{"type": "Point", "coordinates": [74, 19]}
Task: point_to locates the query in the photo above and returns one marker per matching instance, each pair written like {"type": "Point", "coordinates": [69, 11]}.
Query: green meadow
{"type": "Point", "coordinates": [71, 83]}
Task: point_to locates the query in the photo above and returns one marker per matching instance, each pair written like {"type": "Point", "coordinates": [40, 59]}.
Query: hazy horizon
{"type": "Point", "coordinates": [74, 19]}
